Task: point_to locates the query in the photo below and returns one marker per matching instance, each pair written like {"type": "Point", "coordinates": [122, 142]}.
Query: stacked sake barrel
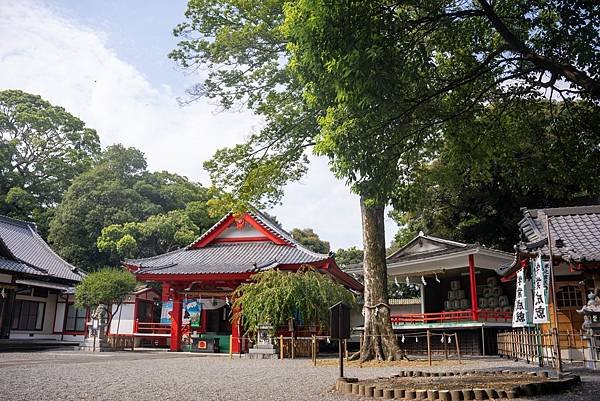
{"type": "Point", "coordinates": [457, 299]}
{"type": "Point", "coordinates": [491, 297]}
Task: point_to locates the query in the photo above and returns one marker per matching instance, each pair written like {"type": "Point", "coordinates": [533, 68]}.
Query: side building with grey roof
{"type": "Point", "coordinates": [570, 237]}
{"type": "Point", "coordinates": [36, 288]}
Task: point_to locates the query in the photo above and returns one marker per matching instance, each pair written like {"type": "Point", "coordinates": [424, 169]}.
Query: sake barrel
{"type": "Point", "coordinates": [465, 304]}
{"type": "Point", "coordinates": [487, 292]}
{"type": "Point", "coordinates": [502, 300]}
{"type": "Point", "coordinates": [497, 291]}
{"type": "Point", "coordinates": [491, 282]}
{"type": "Point", "coordinates": [492, 302]}
{"type": "Point", "coordinates": [447, 305]}
{"type": "Point", "coordinates": [451, 295]}
{"type": "Point", "coordinates": [460, 294]}
{"type": "Point", "coordinates": [456, 304]}
{"type": "Point", "coordinates": [455, 285]}
{"type": "Point", "coordinates": [482, 303]}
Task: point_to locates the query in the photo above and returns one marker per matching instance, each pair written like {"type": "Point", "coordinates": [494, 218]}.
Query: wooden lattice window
{"type": "Point", "coordinates": [569, 296]}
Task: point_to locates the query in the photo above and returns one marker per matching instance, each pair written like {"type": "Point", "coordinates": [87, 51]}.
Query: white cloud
{"type": "Point", "coordinates": [70, 64]}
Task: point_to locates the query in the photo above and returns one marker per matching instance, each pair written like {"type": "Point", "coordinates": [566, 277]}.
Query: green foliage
{"type": "Point", "coordinates": [310, 239]}
{"type": "Point", "coordinates": [349, 256]}
{"type": "Point", "coordinates": [105, 286]}
{"type": "Point", "coordinates": [119, 190]}
{"type": "Point", "coordinates": [403, 291]}
{"type": "Point", "coordinates": [505, 156]}
{"type": "Point", "coordinates": [42, 149]}
{"type": "Point", "coordinates": [274, 296]}
{"type": "Point", "coordinates": [156, 235]}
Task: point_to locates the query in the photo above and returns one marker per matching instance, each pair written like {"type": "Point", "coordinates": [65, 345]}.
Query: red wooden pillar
{"type": "Point", "coordinates": [176, 322]}
{"type": "Point", "coordinates": [474, 311]}
{"type": "Point", "coordinates": [165, 292]}
{"type": "Point", "coordinates": [236, 334]}
{"type": "Point", "coordinates": [203, 322]}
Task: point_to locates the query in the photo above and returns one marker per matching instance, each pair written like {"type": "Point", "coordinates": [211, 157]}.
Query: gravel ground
{"type": "Point", "coordinates": [165, 376]}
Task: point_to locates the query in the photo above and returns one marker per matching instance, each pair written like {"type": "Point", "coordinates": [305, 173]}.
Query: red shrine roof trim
{"type": "Point", "coordinates": [255, 219]}
{"type": "Point", "coordinates": [212, 255]}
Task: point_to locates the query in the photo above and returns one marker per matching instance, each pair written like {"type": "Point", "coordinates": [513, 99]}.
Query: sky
{"type": "Point", "coordinates": [106, 62]}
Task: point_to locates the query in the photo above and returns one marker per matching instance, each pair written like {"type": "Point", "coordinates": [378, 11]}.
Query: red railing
{"type": "Point", "coordinates": [151, 328]}
{"type": "Point", "coordinates": [450, 316]}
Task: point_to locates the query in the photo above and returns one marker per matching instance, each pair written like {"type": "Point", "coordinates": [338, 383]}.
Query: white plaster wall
{"type": "Point", "coordinates": [123, 319]}
{"type": "Point", "coordinates": [247, 231]}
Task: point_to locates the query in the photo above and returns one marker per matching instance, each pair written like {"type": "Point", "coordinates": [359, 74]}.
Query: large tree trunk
{"type": "Point", "coordinates": [379, 341]}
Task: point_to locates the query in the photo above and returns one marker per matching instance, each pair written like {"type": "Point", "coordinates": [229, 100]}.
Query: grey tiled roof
{"type": "Point", "coordinates": [17, 267]}
{"type": "Point", "coordinates": [574, 232]}
{"type": "Point", "coordinates": [27, 247]}
{"type": "Point", "coordinates": [229, 257]}
{"type": "Point", "coordinates": [426, 255]}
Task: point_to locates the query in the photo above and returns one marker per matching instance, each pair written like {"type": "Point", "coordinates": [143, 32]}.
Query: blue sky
{"type": "Point", "coordinates": [106, 62]}
{"type": "Point", "coordinates": [139, 31]}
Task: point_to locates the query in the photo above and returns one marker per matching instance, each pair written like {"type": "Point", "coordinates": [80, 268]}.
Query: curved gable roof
{"type": "Point", "coordinates": [27, 248]}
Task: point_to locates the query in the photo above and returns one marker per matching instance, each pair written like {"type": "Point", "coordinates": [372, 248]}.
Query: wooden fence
{"type": "Point", "coordinates": [550, 347]}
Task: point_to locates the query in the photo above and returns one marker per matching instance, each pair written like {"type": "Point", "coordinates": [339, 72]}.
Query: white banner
{"type": "Point", "coordinates": [541, 279]}
{"type": "Point", "coordinates": [520, 313]}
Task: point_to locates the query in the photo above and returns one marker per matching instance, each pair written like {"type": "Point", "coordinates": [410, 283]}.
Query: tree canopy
{"type": "Point", "coordinates": [310, 239]}
{"type": "Point", "coordinates": [376, 88]}
{"type": "Point", "coordinates": [157, 234]}
{"type": "Point", "coordinates": [42, 149]}
{"type": "Point", "coordinates": [275, 296]}
{"type": "Point", "coordinates": [349, 256]}
{"type": "Point", "coordinates": [505, 156]}
{"type": "Point", "coordinates": [120, 190]}
{"type": "Point", "coordinates": [105, 286]}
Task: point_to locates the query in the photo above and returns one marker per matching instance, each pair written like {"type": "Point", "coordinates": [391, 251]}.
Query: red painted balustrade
{"type": "Point", "coordinates": [451, 316]}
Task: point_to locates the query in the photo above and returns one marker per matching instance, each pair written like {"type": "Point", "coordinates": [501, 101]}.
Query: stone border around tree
{"type": "Point", "coordinates": [540, 384]}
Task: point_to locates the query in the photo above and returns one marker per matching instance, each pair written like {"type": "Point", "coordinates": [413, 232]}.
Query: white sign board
{"type": "Point", "coordinates": [541, 279]}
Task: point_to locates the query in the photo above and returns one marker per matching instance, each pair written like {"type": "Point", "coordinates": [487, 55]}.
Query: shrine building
{"type": "Point", "coordinates": [570, 237]}
{"type": "Point", "coordinates": [459, 292]}
{"type": "Point", "coordinates": [36, 291]}
{"type": "Point", "coordinates": [213, 266]}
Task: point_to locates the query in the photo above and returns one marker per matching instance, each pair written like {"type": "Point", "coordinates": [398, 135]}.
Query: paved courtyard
{"type": "Point", "coordinates": [165, 376]}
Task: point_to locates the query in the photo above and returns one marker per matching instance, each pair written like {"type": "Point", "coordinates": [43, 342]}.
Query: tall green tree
{"type": "Point", "coordinates": [42, 149]}
{"type": "Point", "coordinates": [310, 239]}
{"type": "Point", "coordinates": [119, 190]}
{"type": "Point", "coordinates": [370, 85]}
{"type": "Point", "coordinates": [506, 156]}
